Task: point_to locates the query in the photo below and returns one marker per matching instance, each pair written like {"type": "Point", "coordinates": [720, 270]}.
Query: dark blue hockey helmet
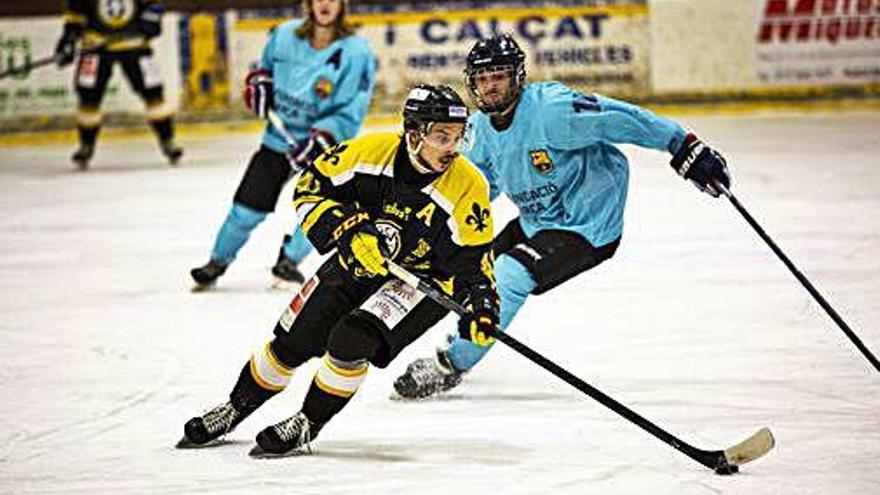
{"type": "Point", "coordinates": [500, 52]}
{"type": "Point", "coordinates": [427, 103]}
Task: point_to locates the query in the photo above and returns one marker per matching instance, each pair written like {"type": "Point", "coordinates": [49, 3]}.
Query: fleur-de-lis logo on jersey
{"type": "Point", "coordinates": [541, 161]}
{"type": "Point", "coordinates": [478, 217]}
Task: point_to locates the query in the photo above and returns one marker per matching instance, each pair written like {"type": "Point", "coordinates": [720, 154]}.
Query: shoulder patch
{"type": "Point", "coordinates": [372, 155]}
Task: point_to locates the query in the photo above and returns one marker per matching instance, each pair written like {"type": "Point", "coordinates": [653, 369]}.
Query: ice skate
{"type": "Point", "coordinates": [426, 377]}
{"type": "Point", "coordinates": [171, 151]}
{"type": "Point", "coordinates": [293, 436]}
{"type": "Point", "coordinates": [205, 277]}
{"type": "Point", "coordinates": [207, 430]}
{"type": "Point", "coordinates": [82, 156]}
{"type": "Point", "coordinates": [286, 274]}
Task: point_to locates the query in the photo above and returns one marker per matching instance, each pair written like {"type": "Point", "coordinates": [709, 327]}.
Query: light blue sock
{"type": "Point", "coordinates": [235, 232]}
{"type": "Point", "coordinates": [298, 246]}
{"type": "Point", "coordinates": [515, 283]}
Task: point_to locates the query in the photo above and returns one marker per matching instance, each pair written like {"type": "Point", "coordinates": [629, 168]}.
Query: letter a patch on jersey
{"type": "Point", "coordinates": [541, 161]}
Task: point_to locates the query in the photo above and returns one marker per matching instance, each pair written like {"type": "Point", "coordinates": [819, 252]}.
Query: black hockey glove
{"type": "Point", "coordinates": [259, 92]}
{"type": "Point", "coordinates": [150, 21]}
{"type": "Point", "coordinates": [481, 322]}
{"type": "Point", "coordinates": [65, 50]}
{"type": "Point", "coordinates": [362, 247]}
{"type": "Point", "coordinates": [701, 165]}
{"type": "Point", "coordinates": [319, 142]}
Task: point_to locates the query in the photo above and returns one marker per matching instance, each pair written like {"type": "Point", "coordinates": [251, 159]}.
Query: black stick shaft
{"type": "Point", "coordinates": [801, 278]}
{"type": "Point", "coordinates": [28, 67]}
{"type": "Point", "coordinates": [706, 458]}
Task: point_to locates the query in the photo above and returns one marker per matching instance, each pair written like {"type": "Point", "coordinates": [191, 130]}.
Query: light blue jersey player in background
{"type": "Point", "coordinates": [552, 151]}
{"type": "Point", "coordinates": [318, 76]}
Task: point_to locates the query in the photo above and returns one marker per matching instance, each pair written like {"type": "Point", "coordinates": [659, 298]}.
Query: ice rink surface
{"type": "Point", "coordinates": [694, 323]}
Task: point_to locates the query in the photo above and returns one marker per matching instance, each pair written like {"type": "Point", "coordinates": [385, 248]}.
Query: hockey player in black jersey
{"type": "Point", "coordinates": [111, 32]}
{"type": "Point", "coordinates": [412, 199]}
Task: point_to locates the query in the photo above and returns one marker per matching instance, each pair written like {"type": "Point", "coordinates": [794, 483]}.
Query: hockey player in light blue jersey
{"type": "Point", "coordinates": [552, 151]}
{"type": "Point", "coordinates": [318, 76]}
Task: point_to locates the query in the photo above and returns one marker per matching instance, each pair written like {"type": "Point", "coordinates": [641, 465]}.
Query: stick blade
{"type": "Point", "coordinates": [754, 447]}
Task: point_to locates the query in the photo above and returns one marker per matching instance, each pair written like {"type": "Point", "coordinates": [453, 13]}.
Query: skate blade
{"type": "Point", "coordinates": [258, 453]}
{"type": "Point", "coordinates": [284, 285]}
{"type": "Point", "coordinates": [185, 443]}
{"type": "Point", "coordinates": [197, 287]}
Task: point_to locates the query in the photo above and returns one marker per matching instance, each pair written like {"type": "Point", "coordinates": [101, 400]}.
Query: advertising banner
{"type": "Point", "coordinates": [204, 61]}
{"type": "Point", "coordinates": [602, 49]}
{"type": "Point", "coordinates": [808, 42]}
{"type": "Point", "coordinates": [48, 91]}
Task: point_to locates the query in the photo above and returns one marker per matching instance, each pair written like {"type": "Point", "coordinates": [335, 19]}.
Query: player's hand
{"type": "Point", "coordinates": [362, 248]}
{"type": "Point", "coordinates": [319, 142]}
{"type": "Point", "coordinates": [481, 322]}
{"type": "Point", "coordinates": [65, 50]}
{"type": "Point", "coordinates": [701, 165]}
{"type": "Point", "coordinates": [258, 92]}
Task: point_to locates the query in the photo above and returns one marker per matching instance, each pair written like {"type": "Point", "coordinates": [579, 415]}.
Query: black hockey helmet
{"type": "Point", "coordinates": [496, 53]}
{"type": "Point", "coordinates": [427, 103]}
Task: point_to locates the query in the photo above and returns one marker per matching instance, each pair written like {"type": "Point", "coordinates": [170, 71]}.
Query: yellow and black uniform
{"type": "Point", "coordinates": [437, 225]}
{"type": "Point", "coordinates": [111, 31]}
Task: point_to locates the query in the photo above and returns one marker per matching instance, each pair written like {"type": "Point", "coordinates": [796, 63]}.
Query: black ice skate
{"type": "Point", "coordinates": [171, 151]}
{"type": "Point", "coordinates": [426, 377]}
{"type": "Point", "coordinates": [292, 436]}
{"type": "Point", "coordinates": [207, 429]}
{"type": "Point", "coordinates": [82, 156]}
{"type": "Point", "coordinates": [206, 276]}
{"type": "Point", "coordinates": [286, 273]}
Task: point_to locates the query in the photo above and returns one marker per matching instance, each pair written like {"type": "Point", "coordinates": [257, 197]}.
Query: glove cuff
{"type": "Point", "coordinates": [686, 154]}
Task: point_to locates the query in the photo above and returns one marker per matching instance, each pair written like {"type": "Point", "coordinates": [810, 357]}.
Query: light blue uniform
{"type": "Point", "coordinates": [327, 89]}
{"type": "Point", "coordinates": [558, 163]}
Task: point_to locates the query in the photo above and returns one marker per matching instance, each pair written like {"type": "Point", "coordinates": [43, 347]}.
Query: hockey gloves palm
{"type": "Point", "coordinates": [481, 322]}
{"type": "Point", "coordinates": [258, 92]}
{"type": "Point", "coordinates": [362, 247]}
{"type": "Point", "coordinates": [701, 165]}
{"type": "Point", "coordinates": [319, 142]}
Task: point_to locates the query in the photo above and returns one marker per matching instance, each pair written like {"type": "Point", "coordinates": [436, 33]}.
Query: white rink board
{"type": "Point", "coordinates": [49, 90]}
{"type": "Point", "coordinates": [694, 324]}
{"type": "Point", "coordinates": [717, 45]}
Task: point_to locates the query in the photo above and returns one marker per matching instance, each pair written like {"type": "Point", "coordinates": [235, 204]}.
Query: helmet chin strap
{"type": "Point", "coordinates": [417, 161]}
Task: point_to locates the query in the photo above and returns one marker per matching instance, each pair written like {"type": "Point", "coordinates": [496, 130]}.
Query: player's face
{"type": "Point", "coordinates": [326, 11]}
{"type": "Point", "coordinates": [440, 145]}
{"type": "Point", "coordinates": [494, 84]}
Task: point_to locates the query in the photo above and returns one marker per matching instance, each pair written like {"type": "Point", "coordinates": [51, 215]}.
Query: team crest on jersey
{"type": "Point", "coordinates": [477, 218]}
{"type": "Point", "coordinates": [391, 233]}
{"type": "Point", "coordinates": [323, 88]}
{"type": "Point", "coordinates": [116, 13]}
{"type": "Point", "coordinates": [541, 161]}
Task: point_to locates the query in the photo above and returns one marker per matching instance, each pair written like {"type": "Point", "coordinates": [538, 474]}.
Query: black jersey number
{"type": "Point", "coordinates": [332, 155]}
{"type": "Point", "coordinates": [582, 102]}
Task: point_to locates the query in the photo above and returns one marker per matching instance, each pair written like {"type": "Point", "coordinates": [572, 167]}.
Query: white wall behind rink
{"type": "Point", "coordinates": [689, 47]}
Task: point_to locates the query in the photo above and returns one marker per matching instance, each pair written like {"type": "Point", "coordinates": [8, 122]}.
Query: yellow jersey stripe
{"type": "Point", "coordinates": [309, 221]}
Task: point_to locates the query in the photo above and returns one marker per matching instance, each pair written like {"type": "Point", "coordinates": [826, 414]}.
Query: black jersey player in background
{"type": "Point", "coordinates": [110, 32]}
{"type": "Point", "coordinates": [412, 199]}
